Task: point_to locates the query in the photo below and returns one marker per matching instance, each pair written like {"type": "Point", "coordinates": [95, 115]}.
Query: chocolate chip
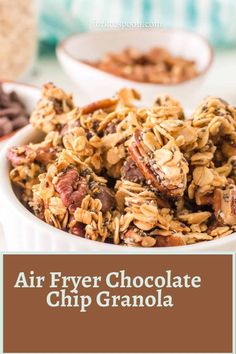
{"type": "Point", "coordinates": [19, 122]}
{"type": "Point", "coordinates": [5, 126]}
{"type": "Point", "coordinates": [107, 198]}
{"type": "Point", "coordinates": [78, 229]}
{"type": "Point", "coordinates": [13, 113]}
{"type": "Point", "coordinates": [131, 173]}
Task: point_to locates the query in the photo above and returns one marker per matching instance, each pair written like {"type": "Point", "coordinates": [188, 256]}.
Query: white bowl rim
{"type": "Point", "coordinates": [61, 48]}
{"type": "Point", "coordinates": [15, 203]}
{"type": "Point", "coordinates": [20, 84]}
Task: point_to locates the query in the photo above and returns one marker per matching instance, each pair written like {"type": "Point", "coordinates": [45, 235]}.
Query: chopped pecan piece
{"type": "Point", "coordinates": [45, 154]}
{"type": "Point", "coordinates": [26, 154]}
{"type": "Point", "coordinates": [102, 104]}
{"type": "Point", "coordinates": [168, 241]}
{"type": "Point", "coordinates": [20, 156]}
{"type": "Point", "coordinates": [111, 129]}
{"type": "Point", "coordinates": [69, 126]}
{"type": "Point", "coordinates": [224, 204]}
{"type": "Point", "coordinates": [132, 237]}
{"type": "Point", "coordinates": [204, 199]}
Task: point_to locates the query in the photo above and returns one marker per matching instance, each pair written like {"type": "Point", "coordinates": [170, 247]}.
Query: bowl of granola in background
{"type": "Point", "coordinates": [66, 175]}
{"type": "Point", "coordinates": [16, 102]}
{"type": "Point", "coordinates": [184, 60]}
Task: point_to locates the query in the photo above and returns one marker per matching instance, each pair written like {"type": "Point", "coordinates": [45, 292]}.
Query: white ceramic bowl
{"type": "Point", "coordinates": [93, 45]}
{"type": "Point", "coordinates": [25, 232]}
{"type": "Point", "coordinates": [27, 93]}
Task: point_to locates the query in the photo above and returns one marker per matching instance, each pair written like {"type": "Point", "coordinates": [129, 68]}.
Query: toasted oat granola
{"type": "Point", "coordinates": [142, 177]}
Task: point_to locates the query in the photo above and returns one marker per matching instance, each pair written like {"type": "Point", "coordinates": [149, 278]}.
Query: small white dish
{"type": "Point", "coordinates": [93, 45]}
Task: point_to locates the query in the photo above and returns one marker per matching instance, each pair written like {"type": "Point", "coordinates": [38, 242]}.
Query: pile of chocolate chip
{"type": "Point", "coordinates": [13, 114]}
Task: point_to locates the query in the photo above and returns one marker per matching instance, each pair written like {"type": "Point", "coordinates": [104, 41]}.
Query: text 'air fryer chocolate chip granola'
{"type": "Point", "coordinates": [116, 173]}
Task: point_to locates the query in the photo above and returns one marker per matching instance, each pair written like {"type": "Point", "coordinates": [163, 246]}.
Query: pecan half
{"type": "Point", "coordinates": [72, 188]}
{"type": "Point", "coordinates": [45, 154]}
{"type": "Point", "coordinates": [157, 168]}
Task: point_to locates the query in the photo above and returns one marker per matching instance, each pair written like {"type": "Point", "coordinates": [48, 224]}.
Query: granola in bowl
{"type": "Point", "coordinates": [119, 173]}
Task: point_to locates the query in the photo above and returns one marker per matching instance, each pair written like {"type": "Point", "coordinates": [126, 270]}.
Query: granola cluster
{"type": "Point", "coordinates": [115, 172]}
{"type": "Point", "coordinates": [155, 66]}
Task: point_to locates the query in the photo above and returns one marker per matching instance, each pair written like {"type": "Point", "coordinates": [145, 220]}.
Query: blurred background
{"type": "Point", "coordinates": [214, 19]}
{"type": "Point", "coordinates": [31, 29]}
